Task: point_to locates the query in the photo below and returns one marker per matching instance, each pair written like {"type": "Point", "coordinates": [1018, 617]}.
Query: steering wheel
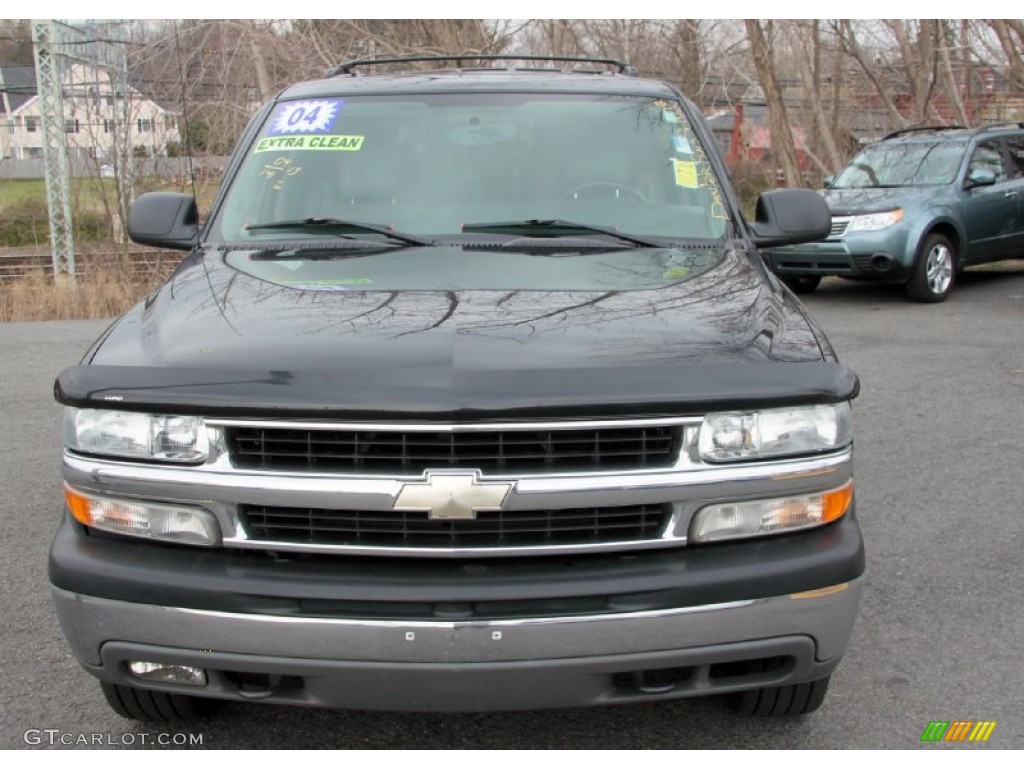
{"type": "Point", "coordinates": [605, 189]}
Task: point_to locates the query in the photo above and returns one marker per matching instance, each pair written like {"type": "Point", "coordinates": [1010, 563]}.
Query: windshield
{"type": "Point", "coordinates": [907, 164]}
{"type": "Point", "coordinates": [429, 164]}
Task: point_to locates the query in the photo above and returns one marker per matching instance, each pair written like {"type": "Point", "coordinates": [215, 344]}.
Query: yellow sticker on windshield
{"type": "Point", "coordinates": [329, 143]}
{"type": "Point", "coordinates": [686, 174]}
{"type": "Point", "coordinates": [675, 273]}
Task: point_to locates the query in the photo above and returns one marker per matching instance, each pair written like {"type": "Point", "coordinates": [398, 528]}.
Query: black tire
{"type": "Point", "coordinates": [783, 701]}
{"type": "Point", "coordinates": [802, 283]}
{"type": "Point", "coordinates": [934, 271]}
{"type": "Point", "coordinates": [155, 706]}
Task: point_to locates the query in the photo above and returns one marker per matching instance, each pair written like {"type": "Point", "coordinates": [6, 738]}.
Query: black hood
{"type": "Point", "coordinates": [218, 340]}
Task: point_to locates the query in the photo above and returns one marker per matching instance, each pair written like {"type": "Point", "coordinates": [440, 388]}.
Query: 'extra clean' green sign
{"type": "Point", "coordinates": [329, 143]}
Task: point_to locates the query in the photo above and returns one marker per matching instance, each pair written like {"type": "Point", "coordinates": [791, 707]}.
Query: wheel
{"type": "Point", "coordinates": [783, 701]}
{"type": "Point", "coordinates": [802, 283]}
{"type": "Point", "coordinates": [606, 189]}
{"type": "Point", "coordinates": [155, 706]}
{"type": "Point", "coordinates": [934, 271]}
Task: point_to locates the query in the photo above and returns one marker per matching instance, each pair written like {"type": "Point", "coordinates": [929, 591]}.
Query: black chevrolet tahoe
{"type": "Point", "coordinates": [472, 393]}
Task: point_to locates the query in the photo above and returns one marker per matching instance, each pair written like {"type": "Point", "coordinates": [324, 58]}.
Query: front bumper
{"type": "Point", "coordinates": [880, 255]}
{"type": "Point", "coordinates": [687, 622]}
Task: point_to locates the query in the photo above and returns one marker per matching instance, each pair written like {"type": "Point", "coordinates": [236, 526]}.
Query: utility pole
{"type": "Point", "coordinates": [55, 45]}
{"type": "Point", "coordinates": [48, 45]}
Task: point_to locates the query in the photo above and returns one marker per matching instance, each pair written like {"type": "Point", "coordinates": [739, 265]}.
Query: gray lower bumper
{"type": "Point", "coordinates": [460, 666]}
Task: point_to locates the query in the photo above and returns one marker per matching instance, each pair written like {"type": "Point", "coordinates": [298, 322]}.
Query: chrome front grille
{"type": "Point", "coordinates": [504, 528]}
{"type": "Point", "coordinates": [404, 452]}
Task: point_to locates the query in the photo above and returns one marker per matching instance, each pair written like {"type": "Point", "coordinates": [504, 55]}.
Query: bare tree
{"type": "Point", "coordinates": [807, 55]}
{"type": "Point", "coordinates": [687, 34]}
{"type": "Point", "coordinates": [1011, 39]}
{"type": "Point", "coordinates": [778, 118]}
{"type": "Point", "coordinates": [947, 44]}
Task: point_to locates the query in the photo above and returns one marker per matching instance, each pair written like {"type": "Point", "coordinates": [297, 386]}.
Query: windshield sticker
{"type": "Point", "coordinates": [686, 174]}
{"type": "Point", "coordinates": [279, 170]}
{"type": "Point", "coordinates": [675, 273]}
{"type": "Point", "coordinates": [330, 143]}
{"type": "Point", "coordinates": [305, 117]}
{"type": "Point", "coordinates": [668, 116]}
{"type": "Point", "coordinates": [681, 145]}
{"type": "Point", "coordinates": [701, 166]}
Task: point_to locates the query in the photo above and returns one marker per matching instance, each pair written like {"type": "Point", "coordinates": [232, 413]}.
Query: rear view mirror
{"type": "Point", "coordinates": [981, 177]}
{"type": "Point", "coordinates": [164, 219]}
{"type": "Point", "coordinates": [790, 216]}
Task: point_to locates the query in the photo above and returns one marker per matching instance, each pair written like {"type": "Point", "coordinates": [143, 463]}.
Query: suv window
{"type": "Point", "coordinates": [903, 164]}
{"type": "Point", "coordinates": [429, 163]}
{"type": "Point", "coordinates": [1015, 150]}
{"type": "Point", "coordinates": [988, 156]}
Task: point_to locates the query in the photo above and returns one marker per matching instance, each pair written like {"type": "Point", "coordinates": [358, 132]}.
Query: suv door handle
{"type": "Point", "coordinates": [1011, 193]}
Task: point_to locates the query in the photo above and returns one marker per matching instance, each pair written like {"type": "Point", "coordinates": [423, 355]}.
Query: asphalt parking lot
{"type": "Point", "coordinates": [940, 494]}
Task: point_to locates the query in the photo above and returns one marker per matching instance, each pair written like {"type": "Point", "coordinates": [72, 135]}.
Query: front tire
{"type": "Point", "coordinates": [935, 270]}
{"type": "Point", "coordinates": [783, 700]}
{"type": "Point", "coordinates": [802, 284]}
{"type": "Point", "coordinates": [155, 706]}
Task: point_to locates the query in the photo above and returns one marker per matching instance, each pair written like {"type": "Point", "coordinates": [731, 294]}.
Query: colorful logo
{"type": "Point", "coordinates": [958, 730]}
{"type": "Point", "coordinates": [305, 117]}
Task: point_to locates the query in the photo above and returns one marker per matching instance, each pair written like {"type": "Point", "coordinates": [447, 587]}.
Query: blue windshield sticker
{"type": "Point", "coordinates": [681, 145]}
{"type": "Point", "coordinates": [316, 116]}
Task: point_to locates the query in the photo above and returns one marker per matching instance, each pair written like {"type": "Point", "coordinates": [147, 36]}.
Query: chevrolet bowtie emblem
{"type": "Point", "coordinates": [452, 497]}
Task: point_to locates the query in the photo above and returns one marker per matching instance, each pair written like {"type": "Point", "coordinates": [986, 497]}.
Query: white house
{"type": "Point", "coordinates": [93, 116]}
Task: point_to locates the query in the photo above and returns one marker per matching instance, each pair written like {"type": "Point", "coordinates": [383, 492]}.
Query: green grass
{"type": "Point", "coordinates": [87, 194]}
{"type": "Point", "coordinates": [16, 191]}
{"type": "Point", "coordinates": [24, 218]}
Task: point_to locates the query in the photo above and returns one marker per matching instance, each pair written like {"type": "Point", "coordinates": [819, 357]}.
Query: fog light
{"type": "Point", "coordinates": [156, 672]}
{"type": "Point", "coordinates": [164, 522]}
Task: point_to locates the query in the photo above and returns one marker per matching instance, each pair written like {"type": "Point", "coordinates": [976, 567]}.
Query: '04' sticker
{"type": "Point", "coordinates": [305, 116]}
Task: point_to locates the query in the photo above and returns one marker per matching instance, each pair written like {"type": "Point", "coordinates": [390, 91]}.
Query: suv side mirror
{"type": "Point", "coordinates": [164, 219]}
{"type": "Point", "coordinates": [790, 216]}
{"type": "Point", "coordinates": [980, 177]}
{"type": "Point", "coordinates": [829, 180]}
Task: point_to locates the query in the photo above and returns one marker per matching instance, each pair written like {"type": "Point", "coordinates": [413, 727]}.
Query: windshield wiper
{"type": "Point", "coordinates": [339, 225]}
{"type": "Point", "coordinates": [338, 249]}
{"type": "Point", "coordinates": [558, 228]}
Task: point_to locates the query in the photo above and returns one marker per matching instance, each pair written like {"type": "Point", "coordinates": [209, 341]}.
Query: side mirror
{"type": "Point", "coordinates": [790, 216]}
{"type": "Point", "coordinates": [164, 219]}
{"type": "Point", "coordinates": [829, 180]}
{"type": "Point", "coordinates": [981, 177]}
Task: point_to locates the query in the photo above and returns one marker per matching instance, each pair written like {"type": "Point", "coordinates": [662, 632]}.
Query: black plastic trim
{"type": "Point", "coordinates": [472, 687]}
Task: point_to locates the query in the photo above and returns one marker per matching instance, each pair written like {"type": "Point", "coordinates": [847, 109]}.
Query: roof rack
{"type": "Point", "coordinates": [348, 66]}
{"type": "Point", "coordinates": [1007, 124]}
{"type": "Point", "coordinates": [923, 129]}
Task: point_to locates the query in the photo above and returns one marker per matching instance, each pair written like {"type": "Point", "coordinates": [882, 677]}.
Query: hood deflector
{"type": "Point", "coordinates": [435, 394]}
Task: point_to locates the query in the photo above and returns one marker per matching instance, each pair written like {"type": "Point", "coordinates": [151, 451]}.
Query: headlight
{"type": "Point", "coordinates": [872, 221]}
{"type": "Point", "coordinates": [774, 432]}
{"type": "Point", "coordinates": [743, 519]}
{"type": "Point", "coordinates": [136, 435]}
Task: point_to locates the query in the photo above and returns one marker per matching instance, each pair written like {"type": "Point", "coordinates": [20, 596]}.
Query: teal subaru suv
{"type": "Point", "coordinates": [916, 208]}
